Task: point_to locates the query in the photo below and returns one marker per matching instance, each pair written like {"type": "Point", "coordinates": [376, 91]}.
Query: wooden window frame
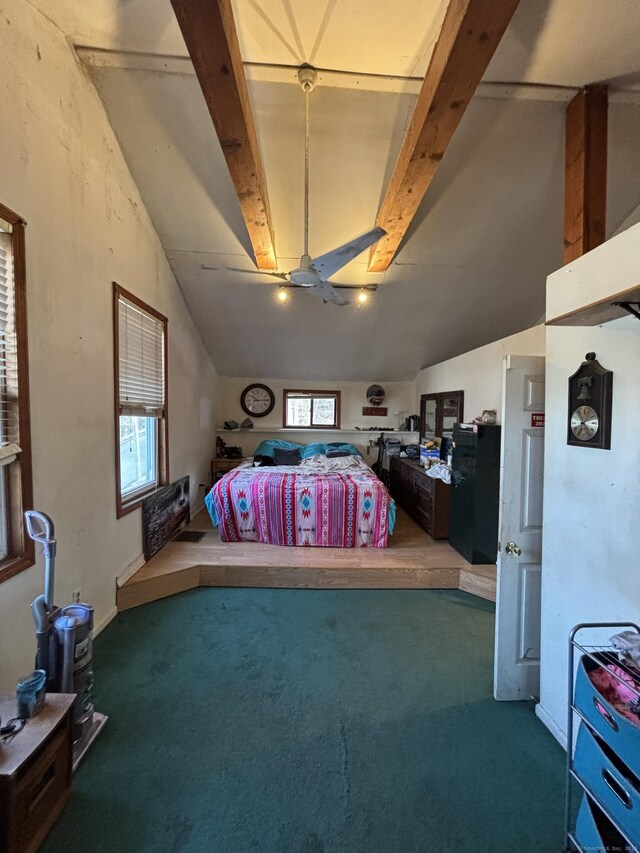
{"type": "Point", "coordinates": [124, 507]}
{"type": "Point", "coordinates": [306, 393]}
{"type": "Point", "coordinates": [19, 495]}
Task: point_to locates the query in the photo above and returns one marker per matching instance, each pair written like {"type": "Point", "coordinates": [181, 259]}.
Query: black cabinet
{"type": "Point", "coordinates": [475, 495]}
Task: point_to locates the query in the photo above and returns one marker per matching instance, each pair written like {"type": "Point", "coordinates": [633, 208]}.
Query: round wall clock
{"type": "Point", "coordinates": [584, 423]}
{"type": "Point", "coordinates": [257, 400]}
{"type": "Point", "coordinates": [590, 394]}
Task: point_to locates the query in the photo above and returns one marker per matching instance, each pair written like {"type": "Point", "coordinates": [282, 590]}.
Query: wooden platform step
{"type": "Point", "coordinates": [412, 561]}
{"type": "Point", "coordinates": [480, 581]}
{"type": "Point", "coordinates": [477, 580]}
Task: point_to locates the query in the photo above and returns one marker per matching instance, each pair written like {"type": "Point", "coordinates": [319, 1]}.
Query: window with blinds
{"type": "Point", "coordinates": [16, 551]}
{"type": "Point", "coordinates": [141, 361]}
{"type": "Point", "coordinates": [9, 426]}
{"type": "Point", "coordinates": [141, 399]}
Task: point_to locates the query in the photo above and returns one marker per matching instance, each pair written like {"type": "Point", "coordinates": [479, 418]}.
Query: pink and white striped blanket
{"type": "Point", "coordinates": [335, 503]}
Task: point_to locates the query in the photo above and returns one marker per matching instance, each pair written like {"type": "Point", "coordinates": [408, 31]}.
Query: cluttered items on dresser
{"type": "Point", "coordinates": [225, 452]}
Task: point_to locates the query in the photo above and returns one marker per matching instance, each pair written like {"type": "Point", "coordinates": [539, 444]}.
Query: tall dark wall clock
{"type": "Point", "coordinates": [590, 397]}
{"type": "Point", "coordinates": [257, 400]}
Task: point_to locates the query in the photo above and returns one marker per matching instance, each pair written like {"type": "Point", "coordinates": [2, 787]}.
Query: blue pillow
{"type": "Point", "coordinates": [268, 447]}
{"type": "Point", "coordinates": [348, 449]}
{"type": "Point", "coordinates": [313, 449]}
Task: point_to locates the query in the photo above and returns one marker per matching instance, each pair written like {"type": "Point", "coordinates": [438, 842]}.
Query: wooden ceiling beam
{"type": "Point", "coordinates": [209, 32]}
{"type": "Point", "coordinates": [470, 34]}
{"type": "Point", "coordinates": [585, 177]}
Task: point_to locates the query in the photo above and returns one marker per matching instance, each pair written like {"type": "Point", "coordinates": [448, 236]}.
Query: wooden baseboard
{"type": "Point", "coordinates": [130, 571]}
{"type": "Point", "coordinates": [102, 624]}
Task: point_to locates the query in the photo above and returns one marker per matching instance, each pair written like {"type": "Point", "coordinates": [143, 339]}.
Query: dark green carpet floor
{"type": "Point", "coordinates": [305, 720]}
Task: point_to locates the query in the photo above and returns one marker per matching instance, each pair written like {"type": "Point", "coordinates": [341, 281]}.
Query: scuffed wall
{"type": "Point", "coordinates": [62, 170]}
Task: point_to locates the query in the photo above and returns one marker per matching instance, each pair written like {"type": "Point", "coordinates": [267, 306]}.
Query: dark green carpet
{"type": "Point", "coordinates": [306, 720]}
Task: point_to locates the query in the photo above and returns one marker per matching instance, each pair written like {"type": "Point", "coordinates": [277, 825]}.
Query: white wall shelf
{"type": "Point", "coordinates": [305, 430]}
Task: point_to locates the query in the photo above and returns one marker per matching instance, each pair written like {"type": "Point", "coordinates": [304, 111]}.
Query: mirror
{"type": "Point", "coordinates": [439, 412]}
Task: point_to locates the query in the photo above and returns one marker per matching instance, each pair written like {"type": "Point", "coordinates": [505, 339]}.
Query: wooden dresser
{"type": "Point", "coordinates": [426, 500]}
{"type": "Point", "coordinates": [35, 773]}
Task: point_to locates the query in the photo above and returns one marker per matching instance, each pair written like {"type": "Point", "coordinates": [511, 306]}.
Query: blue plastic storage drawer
{"type": "Point", "coordinates": [595, 832]}
{"type": "Point", "coordinates": [622, 735]}
{"type": "Point", "coordinates": [610, 781]}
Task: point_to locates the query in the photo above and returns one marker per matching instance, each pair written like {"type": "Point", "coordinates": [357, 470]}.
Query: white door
{"type": "Point", "coordinates": [517, 644]}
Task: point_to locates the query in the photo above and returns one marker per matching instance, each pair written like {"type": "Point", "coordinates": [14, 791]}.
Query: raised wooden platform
{"type": "Point", "coordinates": [413, 561]}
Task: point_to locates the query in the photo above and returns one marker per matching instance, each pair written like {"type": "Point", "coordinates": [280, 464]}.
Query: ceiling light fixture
{"type": "Point", "coordinates": [363, 296]}
{"type": "Point", "coordinates": [282, 294]}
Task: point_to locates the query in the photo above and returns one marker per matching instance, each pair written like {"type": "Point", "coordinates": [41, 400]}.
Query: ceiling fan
{"type": "Point", "coordinates": [313, 273]}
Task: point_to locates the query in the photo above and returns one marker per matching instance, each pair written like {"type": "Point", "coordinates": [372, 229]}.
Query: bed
{"type": "Point", "coordinates": [326, 502]}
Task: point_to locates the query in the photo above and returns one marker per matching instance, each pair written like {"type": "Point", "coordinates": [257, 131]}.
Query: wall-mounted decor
{"type": "Point", "coordinates": [590, 396]}
{"type": "Point", "coordinates": [257, 400]}
{"type": "Point", "coordinates": [164, 513]}
{"type": "Point", "coordinates": [375, 411]}
{"type": "Point", "coordinates": [375, 396]}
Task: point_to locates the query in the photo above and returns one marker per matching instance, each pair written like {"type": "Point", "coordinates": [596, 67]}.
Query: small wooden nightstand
{"type": "Point", "coordinates": [35, 773]}
{"type": "Point", "coordinates": [222, 466]}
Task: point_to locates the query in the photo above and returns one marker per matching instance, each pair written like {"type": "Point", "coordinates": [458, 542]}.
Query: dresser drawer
{"type": "Point", "coordinates": [621, 733]}
{"type": "Point", "coordinates": [610, 781]}
{"type": "Point", "coordinates": [427, 493]}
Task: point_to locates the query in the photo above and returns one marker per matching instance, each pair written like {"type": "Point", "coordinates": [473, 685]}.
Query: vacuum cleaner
{"type": "Point", "coordinates": [64, 638]}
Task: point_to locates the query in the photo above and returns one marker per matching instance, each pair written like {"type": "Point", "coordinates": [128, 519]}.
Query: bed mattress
{"type": "Point", "coordinates": [333, 503]}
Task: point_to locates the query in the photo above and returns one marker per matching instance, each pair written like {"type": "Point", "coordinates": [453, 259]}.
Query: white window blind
{"type": "Point", "coordinates": [9, 431]}
{"type": "Point", "coordinates": [141, 343]}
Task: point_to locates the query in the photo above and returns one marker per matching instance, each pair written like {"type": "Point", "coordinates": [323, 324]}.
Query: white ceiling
{"type": "Point", "coordinates": [489, 230]}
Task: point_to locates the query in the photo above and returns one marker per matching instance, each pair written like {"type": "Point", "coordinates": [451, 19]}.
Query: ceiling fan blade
{"type": "Point", "coordinates": [370, 288]}
{"type": "Point", "coordinates": [281, 275]}
{"type": "Point", "coordinates": [328, 293]}
{"type": "Point", "coordinates": [328, 264]}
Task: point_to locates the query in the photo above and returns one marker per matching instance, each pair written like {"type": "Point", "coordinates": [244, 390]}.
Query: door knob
{"type": "Point", "coordinates": [513, 549]}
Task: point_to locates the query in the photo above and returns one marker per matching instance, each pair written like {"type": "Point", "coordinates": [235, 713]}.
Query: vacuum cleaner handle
{"type": "Point", "coordinates": [40, 529]}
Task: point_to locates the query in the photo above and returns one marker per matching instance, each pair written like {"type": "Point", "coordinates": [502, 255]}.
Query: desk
{"type": "Point", "coordinates": [35, 773]}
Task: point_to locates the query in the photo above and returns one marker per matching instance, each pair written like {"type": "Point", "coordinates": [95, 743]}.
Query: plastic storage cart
{"type": "Point", "coordinates": [605, 763]}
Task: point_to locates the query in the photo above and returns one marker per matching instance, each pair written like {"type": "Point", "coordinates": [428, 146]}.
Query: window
{"type": "Point", "coordinates": [140, 353]}
{"type": "Point", "coordinates": [312, 409]}
{"type": "Point", "coordinates": [17, 551]}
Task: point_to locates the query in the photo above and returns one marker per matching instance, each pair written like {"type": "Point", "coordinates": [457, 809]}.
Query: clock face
{"type": "Point", "coordinates": [584, 423]}
{"type": "Point", "coordinates": [257, 400]}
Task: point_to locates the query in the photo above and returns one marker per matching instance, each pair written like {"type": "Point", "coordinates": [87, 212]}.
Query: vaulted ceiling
{"type": "Point", "coordinates": [473, 264]}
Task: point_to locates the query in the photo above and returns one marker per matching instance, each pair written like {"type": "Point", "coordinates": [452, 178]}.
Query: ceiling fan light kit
{"type": "Point", "coordinates": [313, 273]}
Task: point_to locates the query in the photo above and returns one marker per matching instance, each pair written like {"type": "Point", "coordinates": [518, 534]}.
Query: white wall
{"type": "Point", "coordinates": [62, 170]}
{"type": "Point", "coordinates": [591, 541]}
{"type": "Point", "coordinates": [479, 372]}
{"type": "Point", "coordinates": [400, 396]}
